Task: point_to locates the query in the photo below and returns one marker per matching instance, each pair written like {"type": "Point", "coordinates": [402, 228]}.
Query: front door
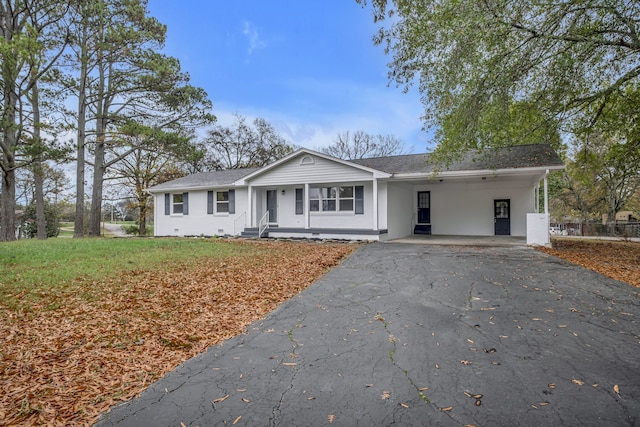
{"type": "Point", "coordinates": [423, 225]}
{"type": "Point", "coordinates": [424, 207]}
{"type": "Point", "coordinates": [272, 206]}
{"type": "Point", "coordinates": [502, 221]}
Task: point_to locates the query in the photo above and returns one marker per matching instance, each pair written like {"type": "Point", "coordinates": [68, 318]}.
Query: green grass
{"type": "Point", "coordinates": [38, 271]}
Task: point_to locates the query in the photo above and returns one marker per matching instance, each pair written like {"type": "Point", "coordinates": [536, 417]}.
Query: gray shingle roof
{"type": "Point", "coordinates": [520, 156]}
{"type": "Point", "coordinates": [204, 179]}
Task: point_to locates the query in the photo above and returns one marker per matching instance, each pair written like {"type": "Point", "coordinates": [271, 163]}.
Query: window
{"type": "Point", "coordinates": [222, 201]}
{"type": "Point", "coordinates": [177, 204]}
{"type": "Point", "coordinates": [332, 199]}
{"type": "Point", "coordinates": [346, 199]}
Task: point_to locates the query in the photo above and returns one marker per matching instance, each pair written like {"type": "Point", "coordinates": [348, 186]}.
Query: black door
{"type": "Point", "coordinates": [502, 221]}
{"type": "Point", "coordinates": [423, 225]}
{"type": "Point", "coordinates": [424, 207]}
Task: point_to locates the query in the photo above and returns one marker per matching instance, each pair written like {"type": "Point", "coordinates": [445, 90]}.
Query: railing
{"type": "Point", "coordinates": [240, 224]}
{"type": "Point", "coordinates": [263, 224]}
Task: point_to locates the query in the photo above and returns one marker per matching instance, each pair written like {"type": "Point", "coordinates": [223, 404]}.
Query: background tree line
{"type": "Point", "coordinates": [84, 81]}
{"type": "Point", "coordinates": [91, 68]}
{"type": "Point", "coordinates": [492, 73]}
{"type": "Point", "coordinates": [506, 72]}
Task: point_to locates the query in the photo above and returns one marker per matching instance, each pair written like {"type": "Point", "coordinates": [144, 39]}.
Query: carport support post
{"type": "Point", "coordinates": [546, 193]}
{"type": "Point", "coordinates": [546, 202]}
{"type": "Point", "coordinates": [249, 207]}
{"type": "Point", "coordinates": [307, 214]}
{"type": "Point", "coordinates": [375, 204]}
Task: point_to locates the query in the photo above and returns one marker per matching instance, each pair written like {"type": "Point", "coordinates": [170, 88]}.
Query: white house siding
{"type": "Point", "coordinates": [198, 222]}
{"type": "Point", "coordinates": [286, 205]}
{"type": "Point", "coordinates": [466, 207]}
{"type": "Point", "coordinates": [400, 209]}
{"type": "Point", "coordinates": [321, 170]}
{"type": "Point", "coordinates": [347, 219]}
{"type": "Point", "coordinates": [299, 171]}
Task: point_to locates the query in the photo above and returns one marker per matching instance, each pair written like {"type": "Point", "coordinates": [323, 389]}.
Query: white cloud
{"type": "Point", "coordinates": [251, 32]}
{"type": "Point", "coordinates": [311, 113]}
{"type": "Point", "coordinates": [379, 112]}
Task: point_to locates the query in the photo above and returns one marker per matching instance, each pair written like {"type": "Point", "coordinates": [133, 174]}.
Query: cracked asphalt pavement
{"type": "Point", "coordinates": [403, 334]}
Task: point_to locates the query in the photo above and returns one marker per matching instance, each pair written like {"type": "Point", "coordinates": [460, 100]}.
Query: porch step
{"type": "Point", "coordinates": [252, 232]}
{"type": "Point", "coordinates": [422, 229]}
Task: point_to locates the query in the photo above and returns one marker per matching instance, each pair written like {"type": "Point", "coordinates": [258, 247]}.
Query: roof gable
{"type": "Point", "coordinates": [301, 157]}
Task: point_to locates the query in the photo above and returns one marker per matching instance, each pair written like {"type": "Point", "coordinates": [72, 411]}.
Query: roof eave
{"type": "Point", "coordinates": [193, 187]}
{"type": "Point", "coordinates": [478, 173]}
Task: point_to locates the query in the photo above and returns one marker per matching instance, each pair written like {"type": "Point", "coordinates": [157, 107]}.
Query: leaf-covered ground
{"type": "Point", "coordinates": [618, 260]}
{"type": "Point", "coordinates": [65, 366]}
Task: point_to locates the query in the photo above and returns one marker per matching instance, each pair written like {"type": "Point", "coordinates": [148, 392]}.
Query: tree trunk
{"type": "Point", "coordinates": [142, 220]}
{"type": "Point", "coordinates": [95, 215]}
{"type": "Point", "coordinates": [99, 167]}
{"type": "Point", "coordinates": [38, 182]}
{"type": "Point", "coordinates": [8, 161]}
{"type": "Point", "coordinates": [78, 225]}
{"type": "Point", "coordinates": [38, 178]}
{"type": "Point", "coordinates": [8, 206]}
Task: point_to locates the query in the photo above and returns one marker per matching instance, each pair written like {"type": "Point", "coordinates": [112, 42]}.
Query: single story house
{"type": "Point", "coordinates": [308, 194]}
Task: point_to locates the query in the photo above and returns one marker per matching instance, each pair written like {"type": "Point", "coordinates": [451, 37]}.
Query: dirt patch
{"type": "Point", "coordinates": [618, 260]}
{"type": "Point", "coordinates": [68, 365]}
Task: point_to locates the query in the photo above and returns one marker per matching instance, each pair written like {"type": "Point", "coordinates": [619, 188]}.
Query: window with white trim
{"type": "Point", "coordinates": [331, 199]}
{"type": "Point", "coordinates": [222, 201]}
{"type": "Point", "coordinates": [177, 203]}
{"type": "Point", "coordinates": [345, 195]}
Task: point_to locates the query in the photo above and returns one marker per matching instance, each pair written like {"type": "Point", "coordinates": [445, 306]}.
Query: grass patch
{"type": "Point", "coordinates": [40, 271]}
{"type": "Point", "coordinates": [95, 321]}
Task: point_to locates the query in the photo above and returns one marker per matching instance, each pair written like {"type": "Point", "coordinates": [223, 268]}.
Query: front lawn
{"type": "Point", "coordinates": [88, 323]}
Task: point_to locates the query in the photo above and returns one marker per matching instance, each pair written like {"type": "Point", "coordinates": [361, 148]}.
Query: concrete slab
{"type": "Point", "coordinates": [405, 334]}
{"type": "Point", "coordinates": [481, 241]}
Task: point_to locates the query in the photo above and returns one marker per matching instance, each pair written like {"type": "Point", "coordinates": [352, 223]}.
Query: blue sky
{"type": "Point", "coordinates": [308, 67]}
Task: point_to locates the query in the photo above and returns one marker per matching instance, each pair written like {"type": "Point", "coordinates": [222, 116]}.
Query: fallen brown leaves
{"type": "Point", "coordinates": [66, 366]}
{"type": "Point", "coordinates": [615, 259]}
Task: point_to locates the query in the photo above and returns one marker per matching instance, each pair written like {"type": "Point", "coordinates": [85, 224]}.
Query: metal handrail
{"type": "Point", "coordinates": [243, 218]}
{"type": "Point", "coordinates": [263, 224]}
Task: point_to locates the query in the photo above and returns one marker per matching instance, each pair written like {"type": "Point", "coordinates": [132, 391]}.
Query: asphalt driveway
{"type": "Point", "coordinates": [404, 334]}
